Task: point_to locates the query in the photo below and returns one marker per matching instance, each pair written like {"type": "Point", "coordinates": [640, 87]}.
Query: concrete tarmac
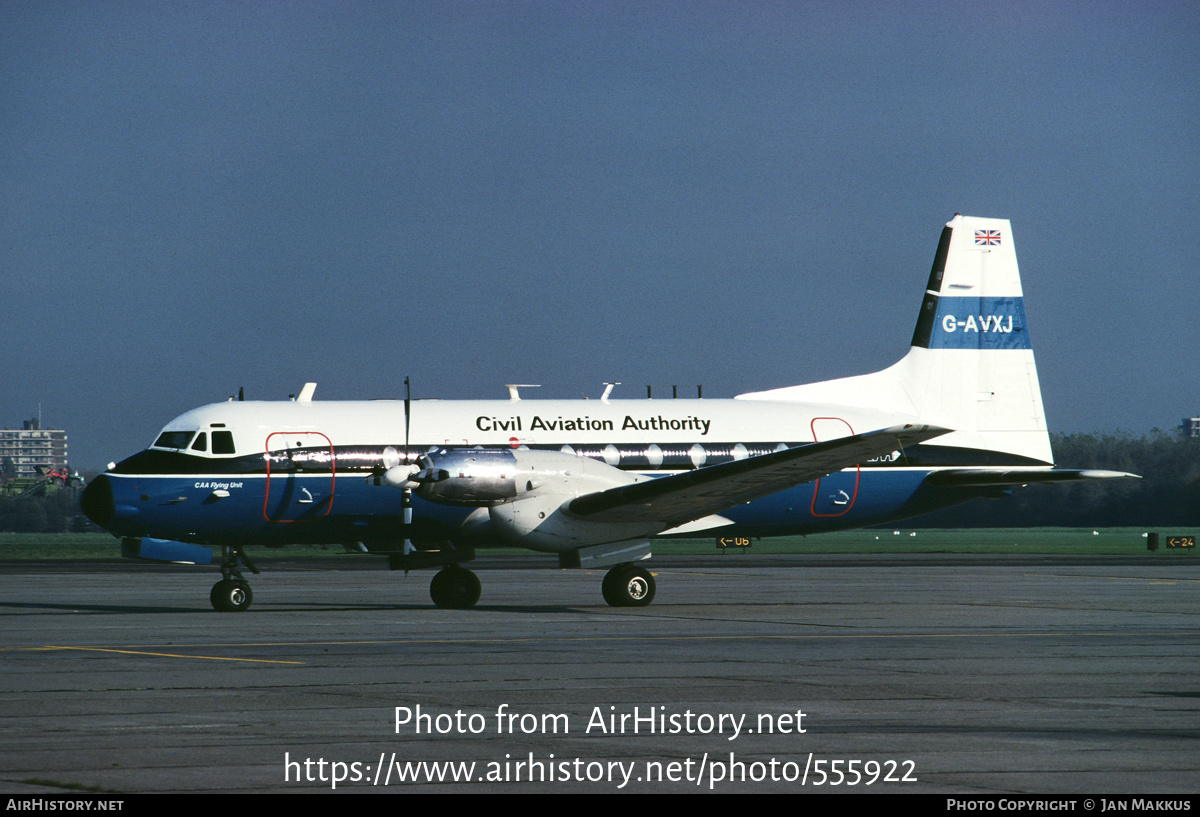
{"type": "Point", "coordinates": [947, 674]}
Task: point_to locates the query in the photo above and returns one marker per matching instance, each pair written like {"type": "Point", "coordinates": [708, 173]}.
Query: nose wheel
{"type": "Point", "coordinates": [232, 594]}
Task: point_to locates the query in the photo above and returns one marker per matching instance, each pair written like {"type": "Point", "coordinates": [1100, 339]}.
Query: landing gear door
{"type": "Point", "coordinates": [300, 476]}
{"type": "Point", "coordinates": [835, 493]}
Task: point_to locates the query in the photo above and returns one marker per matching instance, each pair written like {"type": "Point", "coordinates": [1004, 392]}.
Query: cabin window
{"type": "Point", "coordinates": [201, 443]}
{"type": "Point", "coordinates": [174, 439]}
{"type": "Point", "coordinates": [223, 442]}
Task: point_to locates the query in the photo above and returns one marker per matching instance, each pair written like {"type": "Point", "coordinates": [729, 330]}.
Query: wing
{"type": "Point", "coordinates": [680, 498]}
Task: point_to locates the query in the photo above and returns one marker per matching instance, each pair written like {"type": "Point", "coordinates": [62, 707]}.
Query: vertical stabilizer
{"type": "Point", "coordinates": [971, 364]}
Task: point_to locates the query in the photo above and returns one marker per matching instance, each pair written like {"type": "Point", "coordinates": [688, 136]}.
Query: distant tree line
{"type": "Point", "coordinates": [1168, 494]}
{"type": "Point", "coordinates": [56, 512]}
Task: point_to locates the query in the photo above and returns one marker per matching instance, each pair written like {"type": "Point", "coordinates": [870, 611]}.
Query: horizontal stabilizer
{"type": "Point", "coordinates": [979, 477]}
{"type": "Point", "coordinates": [680, 498]}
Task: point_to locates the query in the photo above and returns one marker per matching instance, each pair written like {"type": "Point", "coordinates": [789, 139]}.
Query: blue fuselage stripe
{"type": "Point", "coordinates": [190, 509]}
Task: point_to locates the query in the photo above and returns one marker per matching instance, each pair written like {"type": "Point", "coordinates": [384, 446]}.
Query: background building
{"type": "Point", "coordinates": [1191, 426]}
{"type": "Point", "coordinates": [22, 451]}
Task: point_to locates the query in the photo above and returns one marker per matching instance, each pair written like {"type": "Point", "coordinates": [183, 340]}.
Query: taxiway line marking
{"type": "Point", "coordinates": [172, 655]}
{"type": "Point", "coordinates": [527, 639]}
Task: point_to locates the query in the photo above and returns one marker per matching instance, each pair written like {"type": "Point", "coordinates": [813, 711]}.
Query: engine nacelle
{"type": "Point", "coordinates": [526, 495]}
{"type": "Point", "coordinates": [487, 477]}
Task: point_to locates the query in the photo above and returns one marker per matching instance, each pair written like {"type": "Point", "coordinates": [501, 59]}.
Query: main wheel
{"type": "Point", "coordinates": [628, 586]}
{"type": "Point", "coordinates": [231, 596]}
{"type": "Point", "coordinates": [455, 588]}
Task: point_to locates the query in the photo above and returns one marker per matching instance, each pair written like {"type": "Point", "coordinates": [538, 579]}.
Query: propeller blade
{"type": "Point", "coordinates": [406, 501]}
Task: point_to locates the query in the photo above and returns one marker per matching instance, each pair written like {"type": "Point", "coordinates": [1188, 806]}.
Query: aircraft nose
{"type": "Point", "coordinates": [97, 501]}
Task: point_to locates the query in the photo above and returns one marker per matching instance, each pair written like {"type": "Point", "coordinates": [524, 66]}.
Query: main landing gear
{"type": "Point", "coordinates": [232, 594]}
{"type": "Point", "coordinates": [628, 585]}
{"type": "Point", "coordinates": [455, 588]}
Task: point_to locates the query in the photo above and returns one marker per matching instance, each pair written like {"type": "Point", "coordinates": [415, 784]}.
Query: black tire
{"type": "Point", "coordinates": [610, 586]}
{"type": "Point", "coordinates": [229, 596]}
{"type": "Point", "coordinates": [455, 588]}
{"type": "Point", "coordinates": [628, 586]}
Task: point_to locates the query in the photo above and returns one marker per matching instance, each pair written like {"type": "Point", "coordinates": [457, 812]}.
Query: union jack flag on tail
{"type": "Point", "coordinates": [987, 238]}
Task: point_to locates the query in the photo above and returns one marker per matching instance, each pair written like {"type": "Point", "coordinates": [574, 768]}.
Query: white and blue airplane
{"type": "Point", "coordinates": [426, 482]}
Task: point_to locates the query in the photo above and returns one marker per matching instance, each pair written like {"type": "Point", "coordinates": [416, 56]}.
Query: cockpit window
{"type": "Point", "coordinates": [222, 442]}
{"type": "Point", "coordinates": [174, 439]}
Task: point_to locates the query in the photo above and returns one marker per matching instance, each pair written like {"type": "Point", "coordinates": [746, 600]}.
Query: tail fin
{"type": "Point", "coordinates": [971, 365]}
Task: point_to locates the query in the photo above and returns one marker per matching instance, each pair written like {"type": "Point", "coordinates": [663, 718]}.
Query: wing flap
{"type": "Point", "coordinates": [679, 498]}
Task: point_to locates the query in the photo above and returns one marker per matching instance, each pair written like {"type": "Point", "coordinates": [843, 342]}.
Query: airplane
{"type": "Point", "coordinates": [426, 483]}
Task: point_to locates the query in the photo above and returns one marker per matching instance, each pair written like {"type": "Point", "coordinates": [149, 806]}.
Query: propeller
{"type": "Point", "coordinates": [406, 501]}
{"type": "Point", "coordinates": [394, 473]}
{"type": "Point", "coordinates": [397, 471]}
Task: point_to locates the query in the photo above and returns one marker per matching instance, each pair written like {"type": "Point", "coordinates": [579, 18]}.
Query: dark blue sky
{"type": "Point", "coordinates": [197, 196]}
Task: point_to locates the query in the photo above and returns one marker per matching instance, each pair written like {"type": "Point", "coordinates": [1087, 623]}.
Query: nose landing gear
{"type": "Point", "coordinates": [232, 594]}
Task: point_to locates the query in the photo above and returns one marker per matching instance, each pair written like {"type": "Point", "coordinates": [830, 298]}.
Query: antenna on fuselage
{"type": "Point", "coordinates": [515, 395]}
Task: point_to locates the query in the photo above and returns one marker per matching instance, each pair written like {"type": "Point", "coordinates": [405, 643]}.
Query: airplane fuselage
{"type": "Point", "coordinates": [307, 471]}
